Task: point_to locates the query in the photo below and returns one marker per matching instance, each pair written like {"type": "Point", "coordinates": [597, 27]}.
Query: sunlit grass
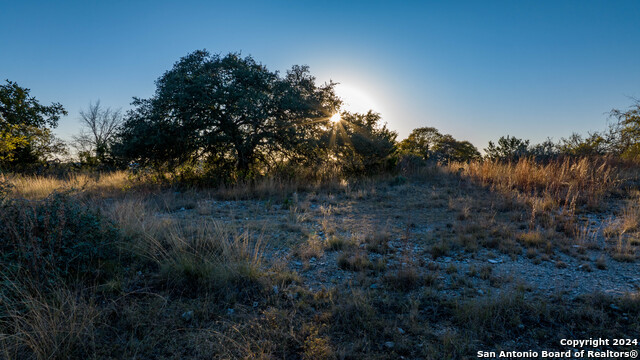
{"type": "Point", "coordinates": [585, 181]}
{"type": "Point", "coordinates": [38, 187]}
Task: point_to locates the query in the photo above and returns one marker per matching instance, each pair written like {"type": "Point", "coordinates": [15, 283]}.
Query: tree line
{"type": "Point", "coordinates": [229, 117]}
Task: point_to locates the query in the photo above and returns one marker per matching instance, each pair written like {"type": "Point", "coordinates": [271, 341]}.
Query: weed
{"type": "Point", "coordinates": [404, 279]}
{"type": "Point", "coordinates": [337, 243]}
{"type": "Point", "coordinates": [378, 242]}
{"type": "Point", "coordinates": [439, 250]}
{"type": "Point", "coordinates": [354, 261]}
{"type": "Point", "coordinates": [312, 248]}
{"type": "Point", "coordinates": [531, 238]}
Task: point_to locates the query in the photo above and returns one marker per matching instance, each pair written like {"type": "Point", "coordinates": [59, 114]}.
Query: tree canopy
{"type": "Point", "coordinates": [25, 126]}
{"type": "Point", "coordinates": [227, 112]}
{"type": "Point", "coordinates": [429, 143]}
{"type": "Point", "coordinates": [360, 144]}
{"type": "Point", "coordinates": [508, 148]}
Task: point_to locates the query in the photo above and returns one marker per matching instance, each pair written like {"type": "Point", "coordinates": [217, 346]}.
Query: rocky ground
{"type": "Point", "coordinates": [441, 229]}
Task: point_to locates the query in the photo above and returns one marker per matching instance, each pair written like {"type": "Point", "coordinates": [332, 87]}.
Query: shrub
{"type": "Point", "coordinates": [53, 237]}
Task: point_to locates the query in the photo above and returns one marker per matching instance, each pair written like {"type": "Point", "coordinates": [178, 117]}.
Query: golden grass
{"type": "Point", "coordinates": [585, 181]}
{"type": "Point", "coordinates": [532, 238]}
{"type": "Point", "coordinates": [189, 252]}
{"type": "Point", "coordinates": [38, 187]}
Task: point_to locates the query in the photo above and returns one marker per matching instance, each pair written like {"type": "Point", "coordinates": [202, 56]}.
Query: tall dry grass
{"type": "Point", "coordinates": [190, 253]}
{"type": "Point", "coordinates": [581, 181]}
{"type": "Point", "coordinates": [51, 325]}
{"type": "Point", "coordinates": [38, 187]}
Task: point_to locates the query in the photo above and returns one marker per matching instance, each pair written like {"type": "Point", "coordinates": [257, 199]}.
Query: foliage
{"type": "Point", "coordinates": [53, 237]}
{"type": "Point", "coordinates": [622, 139]}
{"type": "Point", "coordinates": [627, 129]}
{"type": "Point", "coordinates": [450, 149]}
{"type": "Point", "coordinates": [508, 148]}
{"type": "Point", "coordinates": [546, 150]}
{"type": "Point", "coordinates": [420, 142]}
{"type": "Point", "coordinates": [359, 144]}
{"type": "Point", "coordinates": [10, 140]}
{"type": "Point", "coordinates": [576, 145]}
{"type": "Point", "coordinates": [429, 143]}
{"type": "Point", "coordinates": [25, 135]}
{"type": "Point", "coordinates": [227, 112]}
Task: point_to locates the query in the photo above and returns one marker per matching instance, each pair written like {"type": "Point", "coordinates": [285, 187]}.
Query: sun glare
{"type": "Point", "coordinates": [355, 99]}
{"type": "Point", "coordinates": [335, 118]}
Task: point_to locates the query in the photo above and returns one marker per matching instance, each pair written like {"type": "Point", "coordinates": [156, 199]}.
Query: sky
{"type": "Point", "coordinates": [474, 69]}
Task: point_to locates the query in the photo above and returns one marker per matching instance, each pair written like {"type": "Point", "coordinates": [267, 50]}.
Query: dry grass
{"type": "Point", "coordinates": [246, 301]}
{"type": "Point", "coordinates": [57, 325]}
{"type": "Point", "coordinates": [626, 223]}
{"type": "Point", "coordinates": [313, 247]}
{"type": "Point", "coordinates": [192, 254]}
{"type": "Point", "coordinates": [532, 239]}
{"type": "Point", "coordinates": [38, 187]}
{"type": "Point", "coordinates": [584, 180]}
{"type": "Point", "coordinates": [405, 279]}
{"type": "Point", "coordinates": [354, 261]}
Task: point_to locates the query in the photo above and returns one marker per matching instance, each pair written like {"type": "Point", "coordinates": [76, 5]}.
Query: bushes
{"type": "Point", "coordinates": [46, 247]}
{"type": "Point", "coordinates": [429, 143]}
{"type": "Point", "coordinates": [53, 237]}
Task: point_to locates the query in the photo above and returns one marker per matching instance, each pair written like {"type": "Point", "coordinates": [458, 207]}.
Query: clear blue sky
{"type": "Point", "coordinates": [476, 69]}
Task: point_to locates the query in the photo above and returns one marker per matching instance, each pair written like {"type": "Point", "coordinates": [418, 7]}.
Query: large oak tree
{"type": "Point", "coordinates": [228, 111]}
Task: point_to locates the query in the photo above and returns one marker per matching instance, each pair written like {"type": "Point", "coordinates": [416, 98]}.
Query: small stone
{"type": "Point", "coordinates": [401, 331]}
{"type": "Point", "coordinates": [313, 259]}
{"type": "Point", "coordinates": [389, 344]}
{"type": "Point", "coordinates": [494, 261]}
{"type": "Point", "coordinates": [187, 316]}
{"type": "Point", "coordinates": [297, 263]}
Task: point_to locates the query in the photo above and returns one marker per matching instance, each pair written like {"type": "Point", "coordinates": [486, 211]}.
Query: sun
{"type": "Point", "coordinates": [356, 99]}
{"type": "Point", "coordinates": [335, 118]}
